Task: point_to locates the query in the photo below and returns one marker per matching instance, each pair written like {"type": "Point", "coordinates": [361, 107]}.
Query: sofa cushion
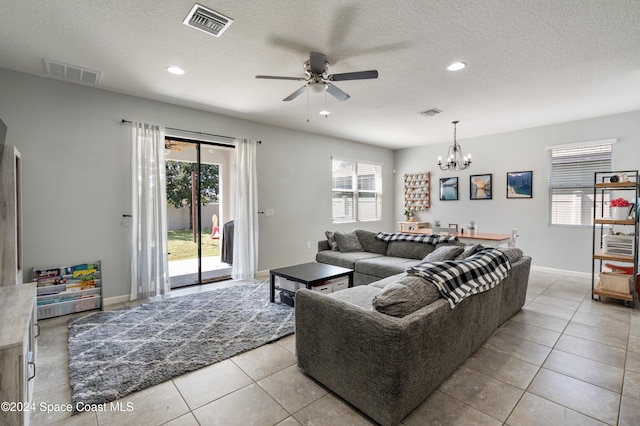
{"type": "Point", "coordinates": [384, 266]}
{"type": "Point", "coordinates": [469, 250]}
{"type": "Point", "coordinates": [382, 283]}
{"type": "Point", "coordinates": [331, 240]}
{"type": "Point", "coordinates": [409, 249]}
{"type": "Point", "coordinates": [361, 296]}
{"type": "Point", "coordinates": [370, 243]}
{"type": "Point", "coordinates": [405, 296]}
{"type": "Point", "coordinates": [347, 242]}
{"type": "Point", "coordinates": [345, 260]}
{"type": "Point", "coordinates": [513, 253]}
{"type": "Point", "coordinates": [443, 253]}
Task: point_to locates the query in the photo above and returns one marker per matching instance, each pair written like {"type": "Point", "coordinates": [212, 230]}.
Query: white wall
{"type": "Point", "coordinates": [76, 175]}
{"type": "Point", "coordinates": [550, 246]}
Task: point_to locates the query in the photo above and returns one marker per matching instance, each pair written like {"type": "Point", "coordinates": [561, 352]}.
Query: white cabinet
{"type": "Point", "coordinates": [17, 352]}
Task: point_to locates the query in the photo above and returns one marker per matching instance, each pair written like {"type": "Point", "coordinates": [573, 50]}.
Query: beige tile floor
{"type": "Point", "coordinates": [563, 360]}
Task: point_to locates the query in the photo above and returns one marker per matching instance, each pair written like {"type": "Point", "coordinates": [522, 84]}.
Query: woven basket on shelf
{"type": "Point", "coordinates": [616, 281]}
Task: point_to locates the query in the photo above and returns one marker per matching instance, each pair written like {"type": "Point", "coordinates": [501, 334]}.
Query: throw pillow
{"type": "Point", "coordinates": [331, 240]}
{"type": "Point", "coordinates": [443, 253]}
{"type": "Point", "coordinates": [370, 243]}
{"type": "Point", "coordinates": [469, 250]}
{"type": "Point", "coordinates": [347, 242]}
{"type": "Point", "coordinates": [513, 253]}
{"type": "Point", "coordinates": [405, 296]}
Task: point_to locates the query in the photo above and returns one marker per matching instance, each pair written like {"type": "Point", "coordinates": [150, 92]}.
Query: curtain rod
{"type": "Point", "coordinates": [190, 131]}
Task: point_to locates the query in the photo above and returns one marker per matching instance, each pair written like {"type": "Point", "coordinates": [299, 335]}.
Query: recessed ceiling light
{"type": "Point", "coordinates": [456, 66]}
{"type": "Point", "coordinates": [175, 70]}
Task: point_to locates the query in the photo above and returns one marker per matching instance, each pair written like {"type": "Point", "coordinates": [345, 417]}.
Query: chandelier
{"type": "Point", "coordinates": [455, 160]}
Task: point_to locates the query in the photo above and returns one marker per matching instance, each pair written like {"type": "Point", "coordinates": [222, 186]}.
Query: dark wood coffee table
{"type": "Point", "coordinates": [309, 274]}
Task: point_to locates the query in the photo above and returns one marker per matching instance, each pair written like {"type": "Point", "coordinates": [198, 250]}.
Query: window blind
{"type": "Point", "coordinates": [571, 174]}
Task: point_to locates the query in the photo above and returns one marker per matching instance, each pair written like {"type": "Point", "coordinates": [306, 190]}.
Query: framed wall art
{"type": "Point", "coordinates": [449, 189]}
{"type": "Point", "coordinates": [520, 184]}
{"type": "Point", "coordinates": [480, 187]}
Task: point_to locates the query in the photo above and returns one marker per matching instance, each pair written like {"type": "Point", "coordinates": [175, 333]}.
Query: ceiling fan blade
{"type": "Point", "coordinates": [337, 93]}
{"type": "Point", "coordinates": [295, 94]}
{"type": "Point", "coordinates": [275, 77]}
{"type": "Point", "coordinates": [357, 75]}
{"type": "Point", "coordinates": [316, 61]}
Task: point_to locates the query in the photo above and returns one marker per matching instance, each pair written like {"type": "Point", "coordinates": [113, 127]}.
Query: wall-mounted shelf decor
{"type": "Point", "coordinates": [417, 194]}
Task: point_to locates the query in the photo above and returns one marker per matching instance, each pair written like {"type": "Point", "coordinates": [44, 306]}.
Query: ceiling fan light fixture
{"type": "Point", "coordinates": [456, 66]}
{"type": "Point", "coordinates": [317, 87]}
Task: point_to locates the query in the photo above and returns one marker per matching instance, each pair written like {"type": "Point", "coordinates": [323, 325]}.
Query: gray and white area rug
{"type": "Point", "coordinates": [115, 353]}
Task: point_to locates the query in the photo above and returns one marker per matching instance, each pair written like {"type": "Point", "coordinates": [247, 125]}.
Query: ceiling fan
{"type": "Point", "coordinates": [317, 80]}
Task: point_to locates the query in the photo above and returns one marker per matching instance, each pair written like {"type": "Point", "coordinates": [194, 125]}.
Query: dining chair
{"type": "Point", "coordinates": [514, 235]}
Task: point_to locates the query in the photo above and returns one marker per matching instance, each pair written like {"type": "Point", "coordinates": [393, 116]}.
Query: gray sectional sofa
{"type": "Point", "coordinates": [387, 365]}
{"type": "Point", "coordinates": [373, 259]}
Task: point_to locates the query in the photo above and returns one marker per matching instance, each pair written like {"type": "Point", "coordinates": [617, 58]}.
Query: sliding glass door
{"type": "Point", "coordinates": [196, 209]}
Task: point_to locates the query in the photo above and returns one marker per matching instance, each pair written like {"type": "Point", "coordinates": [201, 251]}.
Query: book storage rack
{"type": "Point", "coordinates": [68, 289]}
{"type": "Point", "coordinates": [616, 279]}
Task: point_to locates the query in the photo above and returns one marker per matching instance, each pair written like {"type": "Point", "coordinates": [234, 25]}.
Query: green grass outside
{"type": "Point", "coordinates": [181, 245]}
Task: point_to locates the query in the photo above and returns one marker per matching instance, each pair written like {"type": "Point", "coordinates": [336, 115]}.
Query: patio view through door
{"type": "Point", "coordinates": [198, 181]}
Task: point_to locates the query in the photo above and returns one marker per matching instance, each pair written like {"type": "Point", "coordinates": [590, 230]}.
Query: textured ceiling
{"type": "Point", "coordinates": [529, 62]}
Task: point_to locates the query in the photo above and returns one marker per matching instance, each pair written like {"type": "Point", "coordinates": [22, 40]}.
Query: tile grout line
{"type": "Point", "coordinates": [554, 348]}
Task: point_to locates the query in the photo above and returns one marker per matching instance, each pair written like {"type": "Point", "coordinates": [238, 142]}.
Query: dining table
{"type": "Point", "coordinates": [474, 237]}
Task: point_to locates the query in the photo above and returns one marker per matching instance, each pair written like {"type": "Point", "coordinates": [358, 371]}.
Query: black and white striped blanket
{"type": "Point", "coordinates": [417, 238]}
{"type": "Point", "coordinates": [458, 279]}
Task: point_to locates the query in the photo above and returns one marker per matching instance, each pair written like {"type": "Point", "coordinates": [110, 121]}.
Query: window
{"type": "Point", "coordinates": [572, 171]}
{"type": "Point", "coordinates": [357, 191]}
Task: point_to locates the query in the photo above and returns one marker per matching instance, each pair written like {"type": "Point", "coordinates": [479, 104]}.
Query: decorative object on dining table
{"type": "Point", "coordinates": [519, 184]}
{"type": "Point", "coordinates": [480, 187]}
{"type": "Point", "coordinates": [455, 159]}
{"type": "Point", "coordinates": [472, 227]}
{"type": "Point", "coordinates": [436, 223]}
{"type": "Point", "coordinates": [449, 189]}
{"type": "Point", "coordinates": [619, 208]}
{"type": "Point", "coordinates": [409, 215]}
{"type": "Point", "coordinates": [417, 191]}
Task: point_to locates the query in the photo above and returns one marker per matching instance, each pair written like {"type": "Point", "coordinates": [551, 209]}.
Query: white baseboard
{"type": "Point", "coordinates": [115, 300]}
{"type": "Point", "coordinates": [560, 271]}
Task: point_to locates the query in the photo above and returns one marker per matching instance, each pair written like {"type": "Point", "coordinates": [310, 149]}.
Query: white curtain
{"type": "Point", "coordinates": [245, 234]}
{"type": "Point", "coordinates": [149, 264]}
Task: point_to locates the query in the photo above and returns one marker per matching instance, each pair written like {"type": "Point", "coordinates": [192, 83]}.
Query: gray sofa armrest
{"type": "Point", "coordinates": [514, 289]}
{"type": "Point", "coordinates": [323, 245]}
{"type": "Point", "coordinates": [383, 365]}
{"type": "Point", "coordinates": [347, 348]}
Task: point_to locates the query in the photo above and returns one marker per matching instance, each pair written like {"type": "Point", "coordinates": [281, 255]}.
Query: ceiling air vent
{"type": "Point", "coordinates": [430, 112]}
{"type": "Point", "coordinates": [207, 20]}
{"type": "Point", "coordinates": [71, 73]}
